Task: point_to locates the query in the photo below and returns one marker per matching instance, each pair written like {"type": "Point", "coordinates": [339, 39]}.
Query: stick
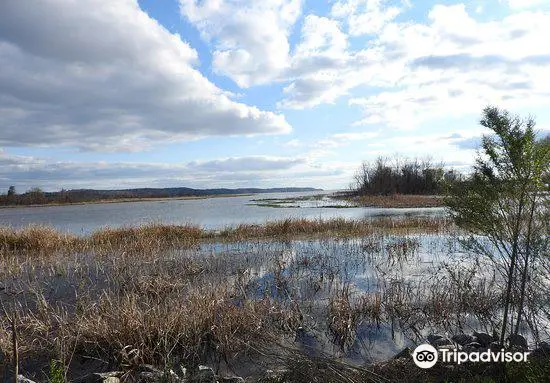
{"type": "Point", "coordinates": [14, 346]}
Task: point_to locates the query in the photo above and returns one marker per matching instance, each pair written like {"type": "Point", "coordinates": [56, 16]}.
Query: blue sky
{"type": "Point", "coordinates": [243, 93]}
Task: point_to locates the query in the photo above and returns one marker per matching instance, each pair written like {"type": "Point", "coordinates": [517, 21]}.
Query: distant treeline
{"type": "Point", "coordinates": [37, 196]}
{"type": "Point", "coordinates": [402, 176]}
{"type": "Point", "coordinates": [389, 176]}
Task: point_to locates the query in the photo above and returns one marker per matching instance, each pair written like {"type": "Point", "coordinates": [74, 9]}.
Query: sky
{"type": "Point", "coordinates": [247, 93]}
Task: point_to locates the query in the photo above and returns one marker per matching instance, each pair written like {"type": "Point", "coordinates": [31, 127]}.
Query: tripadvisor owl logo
{"type": "Point", "coordinates": [425, 356]}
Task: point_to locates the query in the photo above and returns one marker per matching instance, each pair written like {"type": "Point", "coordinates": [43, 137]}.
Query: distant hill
{"type": "Point", "coordinates": [91, 195]}
{"type": "Point", "coordinates": [174, 192]}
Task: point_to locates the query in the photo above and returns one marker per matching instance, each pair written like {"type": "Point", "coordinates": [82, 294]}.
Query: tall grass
{"type": "Point", "coordinates": [331, 227]}
{"type": "Point", "coordinates": [146, 237]}
{"type": "Point", "coordinates": [397, 201]}
{"type": "Point", "coordinates": [36, 239]}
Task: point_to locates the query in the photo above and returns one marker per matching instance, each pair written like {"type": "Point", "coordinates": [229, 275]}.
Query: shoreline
{"type": "Point", "coordinates": [376, 201]}
{"type": "Point", "coordinates": [127, 200]}
{"type": "Point", "coordinates": [396, 200]}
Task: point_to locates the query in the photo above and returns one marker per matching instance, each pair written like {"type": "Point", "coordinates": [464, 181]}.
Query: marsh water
{"type": "Point", "coordinates": [329, 281]}
{"type": "Point", "coordinates": [315, 273]}
{"type": "Point", "coordinates": [209, 213]}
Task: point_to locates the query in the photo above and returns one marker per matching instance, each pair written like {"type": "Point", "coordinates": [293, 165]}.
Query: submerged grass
{"type": "Point", "coordinates": [295, 228]}
{"type": "Point", "coordinates": [396, 200]}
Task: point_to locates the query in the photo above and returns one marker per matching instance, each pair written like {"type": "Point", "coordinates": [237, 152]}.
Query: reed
{"type": "Point", "coordinates": [397, 201]}
{"type": "Point", "coordinates": [157, 237]}
{"type": "Point", "coordinates": [39, 239]}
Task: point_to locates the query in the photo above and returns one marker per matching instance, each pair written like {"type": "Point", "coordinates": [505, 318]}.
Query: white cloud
{"type": "Point", "coordinates": [321, 36]}
{"type": "Point", "coordinates": [251, 46]}
{"type": "Point", "coordinates": [450, 64]}
{"type": "Point", "coordinates": [103, 75]}
{"type": "Point", "coordinates": [521, 4]}
{"type": "Point", "coordinates": [341, 139]}
{"type": "Point", "coordinates": [454, 65]}
{"type": "Point", "coordinates": [252, 163]}
{"type": "Point", "coordinates": [365, 17]}
{"type": "Point", "coordinates": [318, 62]}
{"type": "Point", "coordinates": [250, 38]}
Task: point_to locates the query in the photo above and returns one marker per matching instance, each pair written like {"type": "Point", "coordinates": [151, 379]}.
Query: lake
{"type": "Point", "coordinates": [209, 213]}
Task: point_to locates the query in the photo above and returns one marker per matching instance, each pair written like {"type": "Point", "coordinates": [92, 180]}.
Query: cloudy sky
{"type": "Point", "coordinates": [233, 93]}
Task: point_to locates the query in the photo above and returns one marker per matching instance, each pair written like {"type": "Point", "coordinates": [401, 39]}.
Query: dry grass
{"type": "Point", "coordinates": [208, 324]}
{"type": "Point", "coordinates": [296, 228]}
{"type": "Point", "coordinates": [150, 295]}
{"type": "Point", "coordinates": [43, 240]}
{"type": "Point", "coordinates": [346, 312]}
{"type": "Point", "coordinates": [156, 237]}
{"type": "Point", "coordinates": [128, 310]}
{"type": "Point", "coordinates": [398, 201]}
{"type": "Point", "coordinates": [145, 238]}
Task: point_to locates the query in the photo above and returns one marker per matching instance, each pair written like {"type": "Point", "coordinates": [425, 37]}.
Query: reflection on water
{"type": "Point", "coordinates": [212, 213]}
{"type": "Point", "coordinates": [359, 299]}
{"type": "Point", "coordinates": [398, 275]}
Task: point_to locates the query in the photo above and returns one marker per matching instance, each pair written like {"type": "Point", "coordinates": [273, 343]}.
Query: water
{"type": "Point", "coordinates": [308, 273]}
{"type": "Point", "coordinates": [408, 274]}
{"type": "Point", "coordinates": [211, 213]}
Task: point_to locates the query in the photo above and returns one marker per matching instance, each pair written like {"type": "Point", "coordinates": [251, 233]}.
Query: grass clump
{"type": "Point", "coordinates": [339, 227]}
{"type": "Point", "coordinates": [36, 239]}
{"type": "Point", "coordinates": [145, 238]}
{"type": "Point", "coordinates": [207, 324]}
{"type": "Point", "coordinates": [398, 201]}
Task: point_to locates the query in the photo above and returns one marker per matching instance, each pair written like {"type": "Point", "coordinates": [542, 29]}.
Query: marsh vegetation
{"type": "Point", "coordinates": [244, 299]}
{"type": "Point", "coordinates": [315, 300]}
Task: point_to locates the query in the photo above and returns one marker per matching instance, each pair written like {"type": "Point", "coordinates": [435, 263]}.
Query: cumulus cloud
{"type": "Point", "coordinates": [455, 64]}
{"type": "Point", "coordinates": [365, 17]}
{"type": "Point", "coordinates": [257, 163]}
{"type": "Point", "coordinates": [250, 38]}
{"type": "Point", "coordinates": [418, 70]}
{"type": "Point", "coordinates": [520, 4]}
{"type": "Point", "coordinates": [103, 75]}
{"type": "Point", "coordinates": [318, 65]}
{"type": "Point", "coordinates": [251, 46]}
{"type": "Point", "coordinates": [341, 139]}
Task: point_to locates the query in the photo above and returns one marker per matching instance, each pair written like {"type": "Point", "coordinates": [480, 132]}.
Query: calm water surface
{"type": "Point", "coordinates": [211, 213]}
